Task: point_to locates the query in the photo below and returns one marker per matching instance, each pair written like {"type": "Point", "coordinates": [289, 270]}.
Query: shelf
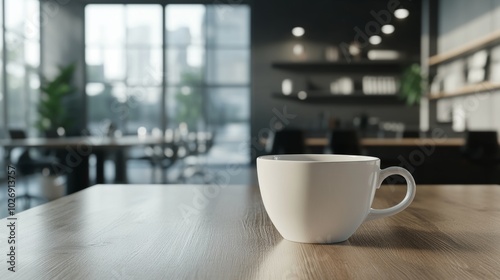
{"type": "Point", "coordinates": [356, 98]}
{"type": "Point", "coordinates": [466, 49]}
{"type": "Point", "coordinates": [365, 66]}
{"type": "Point", "coordinates": [469, 89]}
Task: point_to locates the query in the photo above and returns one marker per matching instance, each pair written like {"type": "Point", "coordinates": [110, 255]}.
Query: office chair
{"type": "Point", "coordinates": [26, 164]}
{"type": "Point", "coordinates": [481, 148]}
{"type": "Point", "coordinates": [344, 141]}
{"type": "Point", "coordinates": [287, 141]}
{"type": "Point", "coordinates": [411, 134]}
{"type": "Point", "coordinates": [193, 161]}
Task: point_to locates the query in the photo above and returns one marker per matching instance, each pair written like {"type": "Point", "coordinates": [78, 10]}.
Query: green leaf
{"type": "Point", "coordinates": [411, 88]}
{"type": "Point", "coordinates": [50, 106]}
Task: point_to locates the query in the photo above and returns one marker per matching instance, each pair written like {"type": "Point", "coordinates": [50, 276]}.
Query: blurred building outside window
{"type": "Point", "coordinates": [206, 57]}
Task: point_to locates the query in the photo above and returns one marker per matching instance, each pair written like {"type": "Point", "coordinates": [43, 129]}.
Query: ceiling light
{"type": "Point", "coordinates": [298, 31]}
{"type": "Point", "coordinates": [388, 29]}
{"type": "Point", "coordinates": [401, 13]}
{"type": "Point", "coordinates": [375, 40]}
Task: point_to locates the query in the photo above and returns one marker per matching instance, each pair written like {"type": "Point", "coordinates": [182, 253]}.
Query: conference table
{"type": "Point", "coordinates": [77, 150]}
{"type": "Point", "coordinates": [222, 231]}
{"type": "Point", "coordinates": [432, 160]}
{"type": "Point", "coordinates": [392, 142]}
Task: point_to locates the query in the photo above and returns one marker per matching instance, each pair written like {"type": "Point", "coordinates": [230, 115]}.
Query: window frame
{"type": "Point", "coordinates": [208, 45]}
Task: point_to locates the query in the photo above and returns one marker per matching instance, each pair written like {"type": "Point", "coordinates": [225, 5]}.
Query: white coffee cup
{"type": "Point", "coordinates": [324, 198]}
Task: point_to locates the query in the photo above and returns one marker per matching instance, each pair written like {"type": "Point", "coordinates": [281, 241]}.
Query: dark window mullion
{"type": "Point", "coordinates": [125, 46]}
{"type": "Point", "coordinates": [27, 96]}
{"type": "Point", "coordinates": [204, 94]}
{"type": "Point", "coordinates": [4, 70]}
{"type": "Point", "coordinates": [163, 109]}
{"type": "Point", "coordinates": [124, 119]}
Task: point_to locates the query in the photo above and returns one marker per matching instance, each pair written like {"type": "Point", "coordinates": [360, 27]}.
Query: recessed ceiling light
{"type": "Point", "coordinates": [388, 29]}
{"type": "Point", "coordinates": [298, 31]}
{"type": "Point", "coordinates": [302, 95]}
{"type": "Point", "coordinates": [375, 40]}
{"type": "Point", "coordinates": [401, 13]}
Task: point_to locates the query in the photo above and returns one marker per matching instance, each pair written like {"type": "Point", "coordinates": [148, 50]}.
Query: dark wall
{"type": "Point", "coordinates": [326, 23]}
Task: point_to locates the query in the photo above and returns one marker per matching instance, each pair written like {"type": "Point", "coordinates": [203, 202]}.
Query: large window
{"type": "Point", "coordinates": [20, 82]}
{"type": "Point", "coordinates": [208, 73]}
{"type": "Point", "coordinates": [124, 65]}
{"type": "Point", "coordinates": [202, 69]}
{"type": "Point", "coordinates": [3, 112]}
{"type": "Point", "coordinates": [19, 64]}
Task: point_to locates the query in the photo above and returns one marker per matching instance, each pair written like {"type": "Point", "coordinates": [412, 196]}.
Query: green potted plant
{"type": "Point", "coordinates": [412, 85]}
{"type": "Point", "coordinates": [51, 110]}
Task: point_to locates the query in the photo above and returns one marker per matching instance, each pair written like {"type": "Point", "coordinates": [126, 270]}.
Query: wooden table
{"type": "Point", "coordinates": [322, 141]}
{"type": "Point", "coordinates": [79, 148]}
{"type": "Point", "coordinates": [95, 142]}
{"type": "Point", "coordinates": [208, 232]}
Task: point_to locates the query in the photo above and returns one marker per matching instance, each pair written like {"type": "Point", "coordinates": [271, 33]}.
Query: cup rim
{"type": "Point", "coordinates": [327, 158]}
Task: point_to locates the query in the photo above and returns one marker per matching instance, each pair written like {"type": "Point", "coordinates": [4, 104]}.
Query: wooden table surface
{"type": "Point", "coordinates": [206, 232]}
{"type": "Point", "coordinates": [454, 142]}
{"type": "Point", "coordinates": [95, 142]}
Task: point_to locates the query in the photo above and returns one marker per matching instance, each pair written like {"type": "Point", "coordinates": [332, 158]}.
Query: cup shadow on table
{"type": "Point", "coordinates": [410, 238]}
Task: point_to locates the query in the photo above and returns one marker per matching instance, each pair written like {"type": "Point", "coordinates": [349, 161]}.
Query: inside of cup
{"type": "Point", "coordinates": [319, 158]}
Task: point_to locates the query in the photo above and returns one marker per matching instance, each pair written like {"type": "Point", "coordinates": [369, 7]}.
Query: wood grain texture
{"type": "Point", "coordinates": [467, 89]}
{"type": "Point", "coordinates": [139, 232]}
{"type": "Point", "coordinates": [84, 142]}
{"type": "Point", "coordinates": [322, 141]}
{"type": "Point", "coordinates": [465, 49]}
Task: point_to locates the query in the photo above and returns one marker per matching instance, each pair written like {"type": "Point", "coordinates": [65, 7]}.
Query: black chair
{"type": "Point", "coordinates": [481, 148]}
{"type": "Point", "coordinates": [160, 157]}
{"type": "Point", "coordinates": [411, 134]}
{"type": "Point", "coordinates": [194, 168]}
{"type": "Point", "coordinates": [17, 134]}
{"type": "Point", "coordinates": [27, 164]}
{"type": "Point", "coordinates": [344, 141]}
{"type": "Point", "coordinates": [287, 141]}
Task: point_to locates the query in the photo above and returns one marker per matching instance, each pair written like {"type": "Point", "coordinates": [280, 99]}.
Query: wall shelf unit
{"type": "Point", "coordinates": [467, 49]}
{"type": "Point", "coordinates": [364, 66]}
{"type": "Point", "coordinates": [461, 52]}
{"type": "Point", "coordinates": [355, 69]}
{"type": "Point", "coordinates": [357, 98]}
{"type": "Point", "coordinates": [466, 90]}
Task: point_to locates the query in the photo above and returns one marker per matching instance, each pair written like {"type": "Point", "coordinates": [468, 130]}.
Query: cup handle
{"type": "Point", "coordinates": [410, 193]}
